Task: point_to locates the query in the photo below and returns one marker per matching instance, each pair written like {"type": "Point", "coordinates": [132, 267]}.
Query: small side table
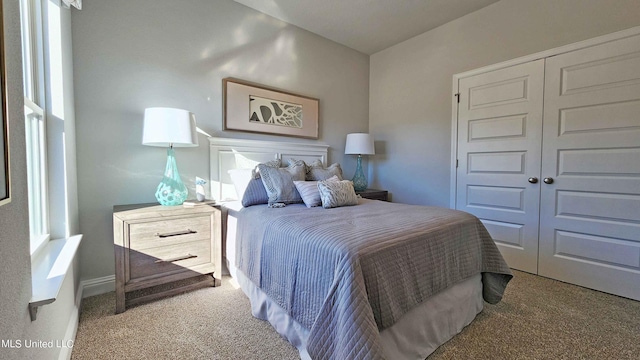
{"type": "Point", "coordinates": [374, 194]}
{"type": "Point", "coordinates": [156, 245]}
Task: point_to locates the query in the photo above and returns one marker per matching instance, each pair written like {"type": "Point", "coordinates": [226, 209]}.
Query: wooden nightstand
{"type": "Point", "coordinates": [374, 194]}
{"type": "Point", "coordinates": [156, 245]}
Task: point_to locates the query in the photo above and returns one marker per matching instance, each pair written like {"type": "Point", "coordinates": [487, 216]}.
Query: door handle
{"type": "Point", "coordinates": [548, 180]}
{"type": "Point", "coordinates": [533, 180]}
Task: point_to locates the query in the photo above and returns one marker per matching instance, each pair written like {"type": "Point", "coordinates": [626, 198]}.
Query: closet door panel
{"type": "Point", "coordinates": [590, 214]}
{"type": "Point", "coordinates": [499, 132]}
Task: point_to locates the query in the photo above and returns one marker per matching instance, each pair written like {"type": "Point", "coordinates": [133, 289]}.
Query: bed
{"type": "Point", "coordinates": [372, 281]}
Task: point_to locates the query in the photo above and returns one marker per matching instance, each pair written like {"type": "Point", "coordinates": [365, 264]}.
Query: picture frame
{"type": "Point", "coordinates": [259, 109]}
{"type": "Point", "coordinates": [5, 178]}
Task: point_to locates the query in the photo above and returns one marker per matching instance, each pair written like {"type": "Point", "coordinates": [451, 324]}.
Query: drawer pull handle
{"type": "Point", "coordinates": [177, 233]}
{"type": "Point", "coordinates": [177, 258]}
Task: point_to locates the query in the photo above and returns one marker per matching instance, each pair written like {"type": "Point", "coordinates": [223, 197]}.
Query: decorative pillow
{"type": "Point", "coordinates": [278, 182]}
{"type": "Point", "coordinates": [248, 185]}
{"type": "Point", "coordinates": [316, 171]}
{"type": "Point", "coordinates": [337, 193]}
{"type": "Point", "coordinates": [273, 163]}
{"type": "Point", "coordinates": [309, 191]}
{"type": "Point", "coordinates": [255, 194]}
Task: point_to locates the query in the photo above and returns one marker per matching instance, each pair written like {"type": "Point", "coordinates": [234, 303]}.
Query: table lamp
{"type": "Point", "coordinates": [171, 128]}
{"type": "Point", "coordinates": [360, 144]}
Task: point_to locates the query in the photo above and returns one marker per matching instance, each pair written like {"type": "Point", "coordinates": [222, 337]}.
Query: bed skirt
{"type": "Point", "coordinates": [416, 335]}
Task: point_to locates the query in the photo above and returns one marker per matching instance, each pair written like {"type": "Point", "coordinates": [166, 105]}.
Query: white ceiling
{"type": "Point", "coordinates": [367, 25]}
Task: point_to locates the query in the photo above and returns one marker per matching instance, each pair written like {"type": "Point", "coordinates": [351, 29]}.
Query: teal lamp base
{"type": "Point", "coordinates": [171, 191]}
{"type": "Point", "coordinates": [359, 181]}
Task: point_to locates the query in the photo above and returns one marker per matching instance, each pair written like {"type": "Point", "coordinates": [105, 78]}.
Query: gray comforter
{"type": "Point", "coordinates": [348, 273]}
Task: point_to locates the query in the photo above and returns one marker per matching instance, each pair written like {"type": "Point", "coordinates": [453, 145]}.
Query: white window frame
{"type": "Point", "coordinates": [33, 44]}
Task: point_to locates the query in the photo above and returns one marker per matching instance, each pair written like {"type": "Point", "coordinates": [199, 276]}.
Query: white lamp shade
{"type": "Point", "coordinates": [169, 127]}
{"type": "Point", "coordinates": [359, 144]}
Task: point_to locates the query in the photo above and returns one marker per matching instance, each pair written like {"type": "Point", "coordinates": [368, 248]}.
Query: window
{"type": "Point", "coordinates": [33, 51]}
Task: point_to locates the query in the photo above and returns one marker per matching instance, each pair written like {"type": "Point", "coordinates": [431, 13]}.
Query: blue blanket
{"type": "Point", "coordinates": [348, 273]}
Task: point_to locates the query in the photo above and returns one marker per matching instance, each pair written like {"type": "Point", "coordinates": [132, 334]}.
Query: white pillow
{"type": "Point", "coordinates": [309, 191]}
{"type": "Point", "coordinates": [240, 179]}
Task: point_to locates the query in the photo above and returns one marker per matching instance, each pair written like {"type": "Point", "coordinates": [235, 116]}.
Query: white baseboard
{"type": "Point", "coordinates": [70, 335]}
{"type": "Point", "coordinates": [98, 286]}
{"type": "Point", "coordinates": [72, 327]}
{"type": "Point", "coordinates": [87, 288]}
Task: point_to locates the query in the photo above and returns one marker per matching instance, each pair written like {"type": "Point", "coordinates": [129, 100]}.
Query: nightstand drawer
{"type": "Point", "coordinates": [146, 235]}
{"type": "Point", "coordinates": [171, 258]}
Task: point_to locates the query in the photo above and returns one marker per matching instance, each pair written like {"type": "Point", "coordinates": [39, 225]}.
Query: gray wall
{"type": "Point", "coordinates": [56, 319]}
{"type": "Point", "coordinates": [411, 83]}
{"type": "Point", "coordinates": [15, 279]}
{"type": "Point", "coordinates": [129, 55]}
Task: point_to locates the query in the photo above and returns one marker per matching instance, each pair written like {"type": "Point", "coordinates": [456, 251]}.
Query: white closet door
{"type": "Point", "coordinates": [590, 214]}
{"type": "Point", "coordinates": [499, 132]}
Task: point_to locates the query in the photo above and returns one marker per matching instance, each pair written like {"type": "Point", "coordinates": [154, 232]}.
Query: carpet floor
{"type": "Point", "coordinates": [538, 318]}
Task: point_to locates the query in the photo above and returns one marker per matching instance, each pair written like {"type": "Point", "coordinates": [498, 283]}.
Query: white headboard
{"type": "Point", "coordinates": [227, 154]}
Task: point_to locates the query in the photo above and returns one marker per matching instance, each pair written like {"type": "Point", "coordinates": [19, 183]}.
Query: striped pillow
{"type": "Point", "coordinates": [255, 193]}
{"type": "Point", "coordinates": [337, 193]}
{"type": "Point", "coordinates": [309, 191]}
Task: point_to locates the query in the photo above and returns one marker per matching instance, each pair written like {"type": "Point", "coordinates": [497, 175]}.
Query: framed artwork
{"type": "Point", "coordinates": [5, 189]}
{"type": "Point", "coordinates": [259, 109]}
